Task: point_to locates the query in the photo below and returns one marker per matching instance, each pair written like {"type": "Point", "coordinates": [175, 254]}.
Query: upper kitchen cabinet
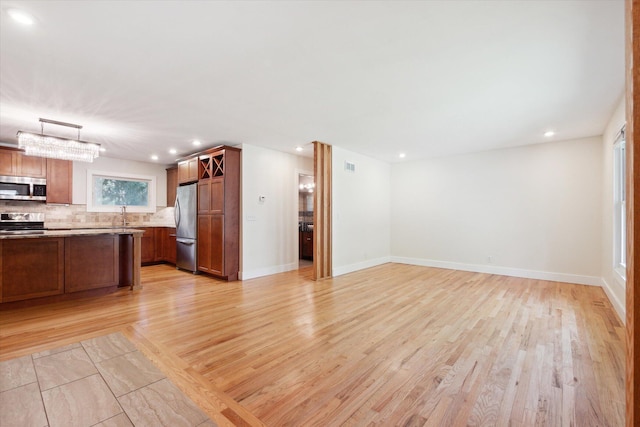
{"type": "Point", "coordinates": [188, 171]}
{"type": "Point", "coordinates": [8, 162]}
{"type": "Point", "coordinates": [14, 162]}
{"type": "Point", "coordinates": [219, 212]}
{"type": "Point", "coordinates": [172, 183]}
{"type": "Point", "coordinates": [59, 181]}
{"type": "Point", "coordinates": [211, 196]}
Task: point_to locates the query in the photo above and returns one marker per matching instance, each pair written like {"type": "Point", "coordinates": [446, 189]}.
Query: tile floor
{"type": "Point", "coordinates": [103, 381]}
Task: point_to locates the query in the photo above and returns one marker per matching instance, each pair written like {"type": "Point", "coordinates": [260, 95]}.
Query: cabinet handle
{"type": "Point", "coordinates": [308, 238]}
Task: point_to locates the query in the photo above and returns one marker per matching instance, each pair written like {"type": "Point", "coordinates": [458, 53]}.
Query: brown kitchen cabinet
{"type": "Point", "coordinates": [172, 184]}
{"type": "Point", "coordinates": [188, 170]}
{"type": "Point", "coordinates": [14, 162]}
{"type": "Point", "coordinates": [306, 244]}
{"type": "Point", "coordinates": [148, 245]}
{"type": "Point", "coordinates": [46, 269]}
{"type": "Point", "coordinates": [211, 196]}
{"type": "Point", "coordinates": [31, 268]}
{"type": "Point", "coordinates": [158, 244]}
{"type": "Point", "coordinates": [8, 162]}
{"type": "Point", "coordinates": [211, 243]}
{"type": "Point", "coordinates": [169, 238]}
{"type": "Point", "coordinates": [59, 181]}
{"type": "Point", "coordinates": [165, 244]}
{"type": "Point", "coordinates": [32, 166]}
{"type": "Point", "coordinates": [99, 270]}
{"type": "Point", "coordinates": [218, 212]}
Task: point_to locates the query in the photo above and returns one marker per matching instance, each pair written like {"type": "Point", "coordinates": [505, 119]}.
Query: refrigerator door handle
{"type": "Point", "coordinates": [187, 242]}
{"type": "Point", "coordinates": [176, 212]}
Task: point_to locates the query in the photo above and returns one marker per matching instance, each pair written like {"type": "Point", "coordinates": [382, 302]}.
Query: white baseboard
{"type": "Point", "coordinates": [503, 271]}
{"type": "Point", "coordinates": [338, 271]}
{"type": "Point", "coordinates": [615, 301]}
{"type": "Point", "coordinates": [267, 271]}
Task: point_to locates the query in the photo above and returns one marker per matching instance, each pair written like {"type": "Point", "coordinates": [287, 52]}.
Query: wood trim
{"type": "Point", "coordinates": [136, 283]}
{"type": "Point", "coordinates": [1, 269]}
{"type": "Point", "coordinates": [218, 405]}
{"type": "Point", "coordinates": [322, 211]}
{"type": "Point", "coordinates": [632, 37]}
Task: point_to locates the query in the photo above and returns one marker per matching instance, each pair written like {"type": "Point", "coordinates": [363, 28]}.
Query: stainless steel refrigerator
{"type": "Point", "coordinates": [186, 216]}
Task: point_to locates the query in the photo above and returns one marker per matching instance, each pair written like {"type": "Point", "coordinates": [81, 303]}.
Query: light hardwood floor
{"type": "Point", "coordinates": [390, 345]}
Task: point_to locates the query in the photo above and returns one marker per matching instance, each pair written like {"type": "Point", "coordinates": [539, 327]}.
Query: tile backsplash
{"type": "Point", "coordinates": [76, 216]}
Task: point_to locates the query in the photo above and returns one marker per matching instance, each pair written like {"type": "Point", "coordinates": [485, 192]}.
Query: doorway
{"type": "Point", "coordinates": [306, 187]}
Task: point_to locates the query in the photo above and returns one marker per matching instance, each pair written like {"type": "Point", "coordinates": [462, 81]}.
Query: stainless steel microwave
{"type": "Point", "coordinates": [23, 188]}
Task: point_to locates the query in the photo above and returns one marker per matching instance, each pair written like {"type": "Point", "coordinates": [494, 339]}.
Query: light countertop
{"type": "Point", "coordinates": [72, 232]}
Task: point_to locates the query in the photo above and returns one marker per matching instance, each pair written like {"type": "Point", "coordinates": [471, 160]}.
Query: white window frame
{"type": "Point", "coordinates": [619, 207]}
{"type": "Point", "coordinates": [151, 200]}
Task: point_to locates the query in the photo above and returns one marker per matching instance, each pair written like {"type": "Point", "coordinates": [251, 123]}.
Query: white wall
{"type": "Point", "coordinates": [270, 229]}
{"type": "Point", "coordinates": [613, 284]}
{"type": "Point", "coordinates": [107, 164]}
{"type": "Point", "coordinates": [361, 216]}
{"type": "Point", "coordinates": [535, 210]}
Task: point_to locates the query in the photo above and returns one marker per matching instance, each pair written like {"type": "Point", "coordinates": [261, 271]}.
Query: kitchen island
{"type": "Point", "coordinates": [57, 264]}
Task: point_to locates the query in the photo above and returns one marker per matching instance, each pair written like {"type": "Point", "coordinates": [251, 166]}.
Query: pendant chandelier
{"type": "Point", "coordinates": [53, 147]}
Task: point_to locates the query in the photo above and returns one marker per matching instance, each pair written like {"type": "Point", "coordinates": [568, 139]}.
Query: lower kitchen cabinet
{"type": "Point", "coordinates": [31, 268]}
{"type": "Point", "coordinates": [148, 245]}
{"type": "Point", "coordinates": [54, 268]}
{"type": "Point", "coordinates": [169, 246]}
{"type": "Point", "coordinates": [91, 262]}
{"type": "Point", "coordinates": [211, 244]}
{"type": "Point", "coordinates": [306, 244]}
{"type": "Point", "coordinates": [158, 245]}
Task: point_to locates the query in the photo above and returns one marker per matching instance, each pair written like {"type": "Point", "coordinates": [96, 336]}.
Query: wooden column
{"type": "Point", "coordinates": [136, 283]}
{"type": "Point", "coordinates": [632, 18]}
{"type": "Point", "coordinates": [322, 211]}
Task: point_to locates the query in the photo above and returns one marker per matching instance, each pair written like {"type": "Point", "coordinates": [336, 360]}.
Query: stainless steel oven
{"type": "Point", "coordinates": [22, 223]}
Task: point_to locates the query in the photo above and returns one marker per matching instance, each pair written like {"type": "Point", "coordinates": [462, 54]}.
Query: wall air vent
{"type": "Point", "coordinates": [349, 167]}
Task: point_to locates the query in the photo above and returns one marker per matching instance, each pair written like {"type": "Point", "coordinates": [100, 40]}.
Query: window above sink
{"type": "Point", "coordinates": [109, 191]}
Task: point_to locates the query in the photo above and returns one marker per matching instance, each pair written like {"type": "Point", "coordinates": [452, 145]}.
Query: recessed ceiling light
{"type": "Point", "coordinates": [21, 17]}
{"type": "Point", "coordinates": [196, 142]}
{"type": "Point", "coordinates": [173, 151]}
{"type": "Point", "coordinates": [549, 133]}
{"type": "Point", "coordinates": [298, 149]}
{"type": "Point", "coordinates": [154, 157]}
{"type": "Point", "coordinates": [102, 149]}
{"type": "Point", "coordinates": [402, 155]}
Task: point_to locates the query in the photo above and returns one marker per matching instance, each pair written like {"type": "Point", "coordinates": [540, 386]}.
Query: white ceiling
{"type": "Point", "coordinates": [427, 78]}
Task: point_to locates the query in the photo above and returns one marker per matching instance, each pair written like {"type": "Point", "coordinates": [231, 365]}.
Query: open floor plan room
{"type": "Point", "coordinates": [390, 345]}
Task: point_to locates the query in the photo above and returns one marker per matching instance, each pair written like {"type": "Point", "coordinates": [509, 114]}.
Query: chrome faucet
{"type": "Point", "coordinates": [123, 212]}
